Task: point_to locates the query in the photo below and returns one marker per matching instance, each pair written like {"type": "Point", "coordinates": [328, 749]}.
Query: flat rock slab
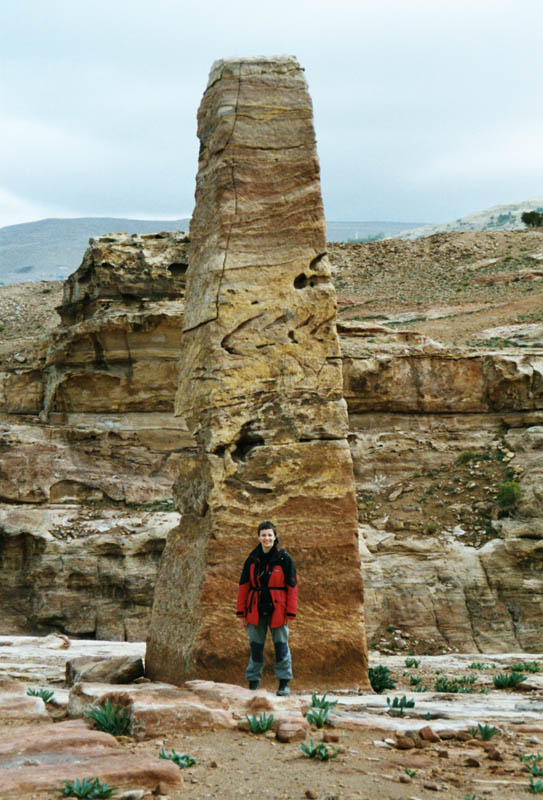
{"type": "Point", "coordinates": [34, 760]}
{"type": "Point", "coordinates": [15, 704]}
{"type": "Point", "coordinates": [199, 705]}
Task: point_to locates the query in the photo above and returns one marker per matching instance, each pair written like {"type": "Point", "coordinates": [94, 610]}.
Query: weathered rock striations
{"type": "Point", "coordinates": [89, 444]}
{"type": "Point", "coordinates": [261, 390]}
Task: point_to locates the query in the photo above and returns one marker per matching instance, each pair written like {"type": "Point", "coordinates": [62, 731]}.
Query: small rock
{"type": "Point", "coordinates": [405, 779]}
{"type": "Point", "coordinates": [443, 753]}
{"type": "Point", "coordinates": [404, 742]}
{"type": "Point", "coordinates": [495, 755]}
{"type": "Point", "coordinates": [472, 762]}
{"type": "Point", "coordinates": [446, 734]}
{"type": "Point", "coordinates": [311, 794]}
{"type": "Point", "coordinates": [533, 740]}
{"type": "Point", "coordinates": [429, 735]}
{"type": "Point", "coordinates": [160, 789]}
{"type": "Point", "coordinates": [434, 787]}
{"type": "Point", "coordinates": [132, 794]}
{"type": "Point", "coordinates": [379, 743]}
{"type": "Point", "coordinates": [328, 736]}
{"type": "Point", "coordinates": [213, 764]}
{"type": "Point", "coordinates": [463, 736]}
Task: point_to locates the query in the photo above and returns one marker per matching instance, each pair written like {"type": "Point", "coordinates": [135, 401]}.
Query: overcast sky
{"type": "Point", "coordinates": [425, 110]}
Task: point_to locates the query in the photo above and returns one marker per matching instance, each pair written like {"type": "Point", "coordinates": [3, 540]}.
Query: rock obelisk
{"type": "Point", "coordinates": [261, 390]}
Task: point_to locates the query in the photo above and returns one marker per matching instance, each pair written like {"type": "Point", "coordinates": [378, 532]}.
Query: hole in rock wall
{"type": "Point", "coordinates": [178, 269]}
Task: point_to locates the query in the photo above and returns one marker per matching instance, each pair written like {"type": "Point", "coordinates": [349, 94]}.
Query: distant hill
{"type": "Point", "coordinates": [51, 249]}
{"type": "Point", "coordinates": [505, 217]}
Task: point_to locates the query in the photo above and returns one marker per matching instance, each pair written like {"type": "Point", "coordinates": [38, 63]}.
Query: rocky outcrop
{"type": "Point", "coordinates": [261, 390]}
{"type": "Point", "coordinates": [433, 434]}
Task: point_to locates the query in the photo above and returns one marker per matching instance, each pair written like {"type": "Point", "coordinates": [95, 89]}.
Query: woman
{"type": "Point", "coordinates": [268, 597]}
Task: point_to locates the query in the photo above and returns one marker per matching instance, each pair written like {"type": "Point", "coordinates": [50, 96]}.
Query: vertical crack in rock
{"type": "Point", "coordinates": [261, 390]}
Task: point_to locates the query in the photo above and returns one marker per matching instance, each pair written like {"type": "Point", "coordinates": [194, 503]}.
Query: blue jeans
{"type": "Point", "coordinates": [257, 639]}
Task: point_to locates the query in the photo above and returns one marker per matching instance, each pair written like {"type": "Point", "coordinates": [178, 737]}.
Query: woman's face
{"type": "Point", "coordinates": [266, 538]}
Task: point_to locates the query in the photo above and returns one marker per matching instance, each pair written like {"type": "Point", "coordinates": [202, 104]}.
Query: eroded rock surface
{"type": "Point", "coordinates": [261, 390]}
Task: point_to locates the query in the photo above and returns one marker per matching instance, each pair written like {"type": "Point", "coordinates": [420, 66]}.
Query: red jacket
{"type": "Point", "coordinates": [282, 585]}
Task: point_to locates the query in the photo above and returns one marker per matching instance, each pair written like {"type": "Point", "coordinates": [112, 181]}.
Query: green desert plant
{"type": "Point", "coordinates": [317, 716]}
{"type": "Point", "coordinates": [260, 723]}
{"type": "Point", "coordinates": [508, 494]}
{"type": "Point", "coordinates": [91, 788]}
{"type": "Point", "coordinates": [503, 681]}
{"type": "Point", "coordinates": [463, 685]}
{"type": "Point", "coordinates": [486, 732]}
{"type": "Point", "coordinates": [465, 456]}
{"type": "Point", "coordinates": [182, 760]}
{"type": "Point", "coordinates": [526, 666]}
{"type": "Point", "coordinates": [110, 718]}
{"type": "Point", "coordinates": [410, 772]}
{"type": "Point", "coordinates": [322, 702]}
{"type": "Point", "coordinates": [536, 787]}
{"type": "Point", "coordinates": [528, 758]}
{"type": "Point", "coordinates": [321, 751]}
{"type": "Point", "coordinates": [45, 694]}
{"type": "Point", "coordinates": [415, 680]}
{"type": "Point", "coordinates": [380, 679]}
{"type": "Point", "coordinates": [536, 770]}
{"type": "Point", "coordinates": [412, 662]}
{"type": "Point", "coordinates": [396, 707]}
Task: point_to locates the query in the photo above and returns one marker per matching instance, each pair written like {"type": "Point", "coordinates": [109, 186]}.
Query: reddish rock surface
{"type": "Point", "coordinates": [261, 391]}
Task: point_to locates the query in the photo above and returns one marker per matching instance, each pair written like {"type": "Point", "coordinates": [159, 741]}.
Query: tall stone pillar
{"type": "Point", "coordinates": [261, 390]}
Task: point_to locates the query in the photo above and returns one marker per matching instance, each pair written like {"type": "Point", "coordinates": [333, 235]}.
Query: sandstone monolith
{"type": "Point", "coordinates": [261, 390]}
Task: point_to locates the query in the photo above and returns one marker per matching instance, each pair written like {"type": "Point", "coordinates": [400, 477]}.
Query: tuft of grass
{"type": "Point", "coordinates": [410, 772]}
{"type": "Point", "coordinates": [380, 679]}
{"type": "Point", "coordinates": [465, 456]}
{"type": "Point", "coordinates": [503, 681]}
{"type": "Point", "coordinates": [525, 666]}
{"type": "Point", "coordinates": [321, 751]}
{"type": "Point", "coordinates": [322, 702]}
{"type": "Point", "coordinates": [91, 788]}
{"type": "Point", "coordinates": [486, 732]}
{"type": "Point", "coordinates": [182, 760]}
{"type": "Point", "coordinates": [45, 694]}
{"type": "Point", "coordinates": [261, 723]}
{"type": "Point", "coordinates": [412, 662]}
{"type": "Point", "coordinates": [462, 685]}
{"type": "Point", "coordinates": [110, 718]}
{"type": "Point", "coordinates": [415, 680]}
{"type": "Point", "coordinates": [536, 787]}
{"type": "Point", "coordinates": [317, 716]}
{"type": "Point", "coordinates": [478, 665]}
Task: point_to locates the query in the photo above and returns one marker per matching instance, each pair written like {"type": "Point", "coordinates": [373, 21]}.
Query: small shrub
{"type": "Point", "coordinates": [317, 716]}
{"type": "Point", "coordinates": [526, 666]}
{"type": "Point", "coordinates": [182, 760]}
{"type": "Point", "coordinates": [536, 787]}
{"type": "Point", "coordinates": [508, 494]}
{"type": "Point", "coordinates": [465, 456]}
{"type": "Point", "coordinates": [110, 718]}
{"type": "Point", "coordinates": [477, 665]}
{"type": "Point", "coordinates": [412, 662]}
{"type": "Point", "coordinates": [415, 680]}
{"type": "Point", "coordinates": [45, 694]}
{"type": "Point", "coordinates": [260, 724]}
{"type": "Point", "coordinates": [322, 702]}
{"type": "Point", "coordinates": [431, 527]}
{"type": "Point", "coordinates": [503, 681]}
{"type": "Point", "coordinates": [321, 751]}
{"type": "Point", "coordinates": [536, 770]}
{"type": "Point", "coordinates": [410, 772]}
{"type": "Point", "coordinates": [380, 679]}
{"type": "Point", "coordinates": [91, 788]}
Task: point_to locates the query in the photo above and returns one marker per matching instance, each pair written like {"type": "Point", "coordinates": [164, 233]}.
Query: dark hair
{"type": "Point", "coordinates": [266, 524]}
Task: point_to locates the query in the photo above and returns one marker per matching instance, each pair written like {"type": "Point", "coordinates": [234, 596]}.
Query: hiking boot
{"type": "Point", "coordinates": [283, 690]}
{"type": "Point", "coordinates": [253, 685]}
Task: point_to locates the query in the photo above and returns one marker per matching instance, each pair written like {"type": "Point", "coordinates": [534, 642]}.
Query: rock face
{"type": "Point", "coordinates": [261, 391]}
{"type": "Point", "coordinates": [443, 563]}
{"type": "Point", "coordinates": [89, 443]}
